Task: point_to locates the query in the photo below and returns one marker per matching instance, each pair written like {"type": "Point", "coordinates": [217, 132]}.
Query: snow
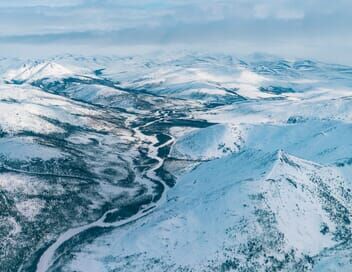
{"type": "Point", "coordinates": [24, 148]}
{"type": "Point", "coordinates": [338, 260]}
{"type": "Point", "coordinates": [37, 71]}
{"type": "Point", "coordinates": [16, 227]}
{"type": "Point", "coordinates": [206, 211]}
{"type": "Point", "coordinates": [92, 93]}
{"type": "Point", "coordinates": [299, 213]}
{"type": "Point", "coordinates": [192, 81]}
{"type": "Point", "coordinates": [274, 171]}
{"type": "Point", "coordinates": [25, 108]}
{"type": "Point", "coordinates": [25, 185]}
{"type": "Point", "coordinates": [100, 95]}
{"type": "Point", "coordinates": [30, 208]}
{"type": "Point", "coordinates": [16, 117]}
{"type": "Point", "coordinates": [318, 104]}
{"type": "Point", "coordinates": [208, 143]}
{"type": "Point", "coordinates": [260, 170]}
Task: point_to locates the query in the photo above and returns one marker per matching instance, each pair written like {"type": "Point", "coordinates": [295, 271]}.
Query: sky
{"type": "Point", "coordinates": [317, 29]}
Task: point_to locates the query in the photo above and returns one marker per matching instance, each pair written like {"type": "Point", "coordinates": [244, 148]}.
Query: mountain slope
{"type": "Point", "coordinates": [37, 71]}
{"type": "Point", "coordinates": [254, 210]}
{"type": "Point", "coordinates": [208, 143]}
{"type": "Point", "coordinates": [58, 158]}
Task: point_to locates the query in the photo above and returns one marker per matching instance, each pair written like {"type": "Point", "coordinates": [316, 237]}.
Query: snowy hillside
{"type": "Point", "coordinates": [208, 143]}
{"type": "Point", "coordinates": [255, 210]}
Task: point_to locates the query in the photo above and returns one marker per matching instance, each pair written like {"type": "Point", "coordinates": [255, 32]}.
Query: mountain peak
{"type": "Point", "coordinates": [36, 71]}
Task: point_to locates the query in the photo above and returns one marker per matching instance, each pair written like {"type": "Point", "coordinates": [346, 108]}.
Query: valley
{"type": "Point", "coordinates": [175, 163]}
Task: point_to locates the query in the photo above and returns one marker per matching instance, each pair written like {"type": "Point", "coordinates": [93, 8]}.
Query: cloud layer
{"type": "Point", "coordinates": [317, 28]}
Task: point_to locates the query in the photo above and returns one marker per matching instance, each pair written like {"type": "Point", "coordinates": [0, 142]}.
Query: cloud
{"type": "Point", "coordinates": [266, 11]}
{"type": "Point", "coordinates": [293, 27]}
{"type": "Point", "coordinates": [34, 3]}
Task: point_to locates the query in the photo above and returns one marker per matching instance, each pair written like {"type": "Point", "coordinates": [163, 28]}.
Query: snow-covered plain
{"type": "Point", "coordinates": [261, 148]}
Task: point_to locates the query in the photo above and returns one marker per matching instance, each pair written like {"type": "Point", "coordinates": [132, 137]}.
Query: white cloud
{"type": "Point", "coordinates": [257, 24]}
{"type": "Point", "coordinates": [267, 11]}
{"type": "Point", "coordinates": [34, 3]}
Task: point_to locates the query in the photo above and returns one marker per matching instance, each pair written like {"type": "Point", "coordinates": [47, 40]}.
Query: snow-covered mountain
{"type": "Point", "coordinates": [187, 162]}
{"type": "Point", "coordinates": [251, 211]}
{"type": "Point", "coordinates": [37, 71]}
